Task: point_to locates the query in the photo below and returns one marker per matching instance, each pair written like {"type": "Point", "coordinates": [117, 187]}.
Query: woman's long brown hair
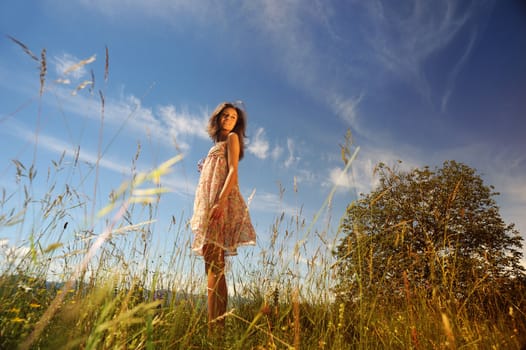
{"type": "Point", "coordinates": [214, 127]}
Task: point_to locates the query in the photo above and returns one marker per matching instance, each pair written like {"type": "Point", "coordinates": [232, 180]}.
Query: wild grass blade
{"type": "Point", "coordinates": [79, 64]}
{"type": "Point", "coordinates": [24, 47]}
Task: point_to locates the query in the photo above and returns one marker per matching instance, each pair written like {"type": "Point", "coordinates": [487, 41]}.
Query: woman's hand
{"type": "Point", "coordinates": [217, 210]}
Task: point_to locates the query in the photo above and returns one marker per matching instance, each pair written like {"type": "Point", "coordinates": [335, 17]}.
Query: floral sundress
{"type": "Point", "coordinates": [234, 228]}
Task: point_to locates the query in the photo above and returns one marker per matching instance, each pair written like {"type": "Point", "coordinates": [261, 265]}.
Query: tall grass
{"type": "Point", "coordinates": [106, 288]}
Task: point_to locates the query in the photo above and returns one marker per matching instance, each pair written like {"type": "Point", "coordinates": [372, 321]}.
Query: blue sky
{"type": "Point", "coordinates": [417, 81]}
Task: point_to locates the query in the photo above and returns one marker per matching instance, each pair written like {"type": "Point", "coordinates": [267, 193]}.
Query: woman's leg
{"type": "Point", "coordinates": [217, 290]}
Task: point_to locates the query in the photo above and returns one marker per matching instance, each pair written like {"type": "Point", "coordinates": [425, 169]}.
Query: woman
{"type": "Point", "coordinates": [220, 220]}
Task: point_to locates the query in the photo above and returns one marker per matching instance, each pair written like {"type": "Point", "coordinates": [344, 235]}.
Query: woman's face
{"type": "Point", "coordinates": [228, 119]}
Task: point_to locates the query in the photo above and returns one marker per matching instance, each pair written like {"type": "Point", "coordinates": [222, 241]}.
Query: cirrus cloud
{"type": "Point", "coordinates": [259, 146]}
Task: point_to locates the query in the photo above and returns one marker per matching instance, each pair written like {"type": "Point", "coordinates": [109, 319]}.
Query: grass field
{"type": "Point", "coordinates": [103, 301]}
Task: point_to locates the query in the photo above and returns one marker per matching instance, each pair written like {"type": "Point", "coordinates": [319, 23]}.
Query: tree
{"type": "Point", "coordinates": [437, 230]}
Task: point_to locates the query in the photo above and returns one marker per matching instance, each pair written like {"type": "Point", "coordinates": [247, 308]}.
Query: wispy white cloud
{"type": "Point", "coordinates": [170, 10]}
{"type": "Point", "coordinates": [272, 203]}
{"type": "Point", "coordinates": [403, 38]}
{"type": "Point", "coordinates": [453, 74]}
{"type": "Point", "coordinates": [306, 176]}
{"type": "Point", "coordinates": [341, 179]}
{"type": "Point", "coordinates": [166, 124]}
{"type": "Point", "coordinates": [184, 123]}
{"type": "Point", "coordinates": [181, 125]}
{"type": "Point", "coordinates": [292, 158]}
{"type": "Point", "coordinates": [370, 42]}
{"type": "Point", "coordinates": [361, 175]}
{"type": "Point", "coordinates": [259, 146]}
{"type": "Point", "coordinates": [283, 27]}
{"type": "Point", "coordinates": [172, 181]}
{"type": "Point", "coordinates": [395, 39]}
{"type": "Point", "coordinates": [359, 178]}
{"type": "Point", "coordinates": [180, 185]}
{"type": "Point", "coordinates": [277, 151]}
{"type": "Point", "coordinates": [129, 112]}
{"type": "Point", "coordinates": [346, 107]}
{"type": "Point", "coordinates": [59, 146]}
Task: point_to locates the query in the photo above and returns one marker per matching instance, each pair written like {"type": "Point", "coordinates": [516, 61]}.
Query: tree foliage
{"type": "Point", "coordinates": [438, 230]}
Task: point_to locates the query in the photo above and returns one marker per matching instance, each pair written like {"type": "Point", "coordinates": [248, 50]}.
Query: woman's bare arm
{"type": "Point", "coordinates": [232, 143]}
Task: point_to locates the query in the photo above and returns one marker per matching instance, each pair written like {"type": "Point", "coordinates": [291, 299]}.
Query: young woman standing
{"type": "Point", "coordinates": [221, 221]}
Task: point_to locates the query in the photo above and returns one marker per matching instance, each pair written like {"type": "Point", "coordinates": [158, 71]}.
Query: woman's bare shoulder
{"type": "Point", "coordinates": [233, 137]}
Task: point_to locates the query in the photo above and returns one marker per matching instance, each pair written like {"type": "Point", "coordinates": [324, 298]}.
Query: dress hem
{"type": "Point", "coordinates": [228, 251]}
